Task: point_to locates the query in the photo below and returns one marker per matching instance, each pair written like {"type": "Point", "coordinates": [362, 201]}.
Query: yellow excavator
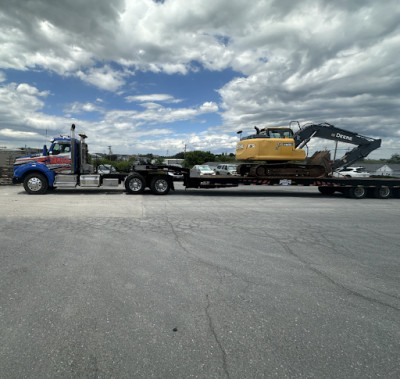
{"type": "Point", "coordinates": [269, 144]}
{"type": "Point", "coordinates": [276, 147]}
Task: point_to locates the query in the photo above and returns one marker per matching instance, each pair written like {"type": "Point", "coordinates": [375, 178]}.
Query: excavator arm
{"type": "Point", "coordinates": [364, 145]}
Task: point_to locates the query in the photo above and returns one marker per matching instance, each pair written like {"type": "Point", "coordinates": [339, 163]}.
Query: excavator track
{"type": "Point", "coordinates": [318, 166]}
{"type": "Point", "coordinates": [283, 170]}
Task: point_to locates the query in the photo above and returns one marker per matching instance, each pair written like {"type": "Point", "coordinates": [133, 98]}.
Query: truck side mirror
{"type": "Point", "coordinates": [45, 152]}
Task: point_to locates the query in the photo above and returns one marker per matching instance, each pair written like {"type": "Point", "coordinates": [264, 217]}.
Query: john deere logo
{"type": "Point", "coordinates": [343, 136]}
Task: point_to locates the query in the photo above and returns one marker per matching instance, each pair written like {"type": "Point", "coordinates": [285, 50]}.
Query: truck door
{"type": "Point", "coordinates": [60, 157]}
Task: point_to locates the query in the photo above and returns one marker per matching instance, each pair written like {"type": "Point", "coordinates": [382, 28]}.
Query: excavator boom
{"type": "Point", "coordinates": [364, 145]}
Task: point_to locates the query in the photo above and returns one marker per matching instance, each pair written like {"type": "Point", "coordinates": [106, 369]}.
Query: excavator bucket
{"type": "Point", "coordinates": [321, 158]}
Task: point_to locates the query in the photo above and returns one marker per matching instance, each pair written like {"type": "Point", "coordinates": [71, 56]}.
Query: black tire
{"type": "Point", "coordinates": [382, 192]}
{"type": "Point", "coordinates": [135, 184]}
{"type": "Point", "coordinates": [356, 192]}
{"type": "Point", "coordinates": [326, 190]}
{"type": "Point", "coordinates": [160, 185]}
{"type": "Point", "coordinates": [36, 184]}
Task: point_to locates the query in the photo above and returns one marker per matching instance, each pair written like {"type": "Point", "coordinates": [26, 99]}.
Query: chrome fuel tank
{"type": "Point", "coordinates": [90, 180]}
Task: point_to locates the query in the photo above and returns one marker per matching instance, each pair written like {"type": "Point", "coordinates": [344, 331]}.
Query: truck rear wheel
{"type": "Point", "coordinates": [382, 192]}
{"type": "Point", "coordinates": [356, 192]}
{"type": "Point", "coordinates": [36, 184]}
{"type": "Point", "coordinates": [160, 185]}
{"type": "Point", "coordinates": [135, 184]}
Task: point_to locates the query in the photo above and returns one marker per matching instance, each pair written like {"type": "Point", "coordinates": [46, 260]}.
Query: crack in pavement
{"type": "Point", "coordinates": [322, 274]}
{"type": "Point", "coordinates": [207, 312]}
{"type": "Point", "coordinates": [328, 278]}
{"type": "Point", "coordinates": [218, 268]}
{"type": "Point", "coordinates": [214, 333]}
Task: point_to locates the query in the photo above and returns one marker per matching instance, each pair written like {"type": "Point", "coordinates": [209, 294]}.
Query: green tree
{"type": "Point", "coordinates": [180, 155]}
{"type": "Point", "coordinates": [159, 161]}
{"type": "Point", "coordinates": [122, 166]}
{"type": "Point", "coordinates": [395, 158]}
{"type": "Point", "coordinates": [197, 157]}
{"type": "Point", "coordinates": [225, 158]}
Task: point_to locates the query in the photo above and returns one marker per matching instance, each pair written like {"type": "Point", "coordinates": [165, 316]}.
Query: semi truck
{"type": "Point", "coordinates": [65, 165]}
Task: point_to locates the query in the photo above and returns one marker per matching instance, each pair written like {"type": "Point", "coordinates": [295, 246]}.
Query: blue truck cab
{"type": "Point", "coordinates": [65, 159]}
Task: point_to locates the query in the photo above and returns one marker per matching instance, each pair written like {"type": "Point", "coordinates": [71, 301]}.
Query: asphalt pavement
{"type": "Point", "coordinates": [253, 282]}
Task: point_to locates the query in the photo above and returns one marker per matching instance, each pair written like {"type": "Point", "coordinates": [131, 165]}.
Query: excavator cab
{"type": "Point", "coordinates": [269, 144]}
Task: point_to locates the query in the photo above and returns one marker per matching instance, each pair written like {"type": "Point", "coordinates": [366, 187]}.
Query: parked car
{"type": "Point", "coordinates": [204, 169]}
{"type": "Point", "coordinates": [226, 169]}
{"type": "Point", "coordinates": [351, 172]}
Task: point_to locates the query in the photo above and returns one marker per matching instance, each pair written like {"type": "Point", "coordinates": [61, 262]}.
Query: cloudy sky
{"type": "Point", "coordinates": [147, 76]}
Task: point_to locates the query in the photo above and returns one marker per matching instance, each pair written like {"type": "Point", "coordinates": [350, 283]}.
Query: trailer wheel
{"type": "Point", "coordinates": [382, 192]}
{"type": "Point", "coordinates": [356, 192]}
{"type": "Point", "coordinates": [160, 185]}
{"type": "Point", "coordinates": [135, 184]}
{"type": "Point", "coordinates": [326, 190]}
{"type": "Point", "coordinates": [35, 184]}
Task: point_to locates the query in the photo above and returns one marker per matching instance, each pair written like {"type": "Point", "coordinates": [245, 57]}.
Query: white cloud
{"type": "Point", "coordinates": [19, 98]}
{"type": "Point", "coordinates": [17, 134]}
{"type": "Point", "coordinates": [204, 141]}
{"type": "Point", "coordinates": [79, 108]}
{"type": "Point", "coordinates": [158, 114]}
{"type": "Point", "coordinates": [168, 37]}
{"type": "Point", "coordinates": [159, 97]}
{"type": "Point", "coordinates": [103, 78]}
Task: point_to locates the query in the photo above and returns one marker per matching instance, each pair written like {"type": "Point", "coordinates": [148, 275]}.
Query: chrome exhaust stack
{"type": "Point", "coordinates": [73, 150]}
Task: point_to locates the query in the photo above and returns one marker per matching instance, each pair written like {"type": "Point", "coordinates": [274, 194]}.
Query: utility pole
{"type": "Point", "coordinates": [334, 157]}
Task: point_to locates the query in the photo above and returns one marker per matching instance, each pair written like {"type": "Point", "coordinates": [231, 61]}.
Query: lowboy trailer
{"type": "Point", "coordinates": [356, 188]}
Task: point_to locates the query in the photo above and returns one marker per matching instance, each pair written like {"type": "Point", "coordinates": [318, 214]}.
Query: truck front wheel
{"type": "Point", "coordinates": [135, 184]}
{"type": "Point", "coordinates": [160, 185]}
{"type": "Point", "coordinates": [35, 184]}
